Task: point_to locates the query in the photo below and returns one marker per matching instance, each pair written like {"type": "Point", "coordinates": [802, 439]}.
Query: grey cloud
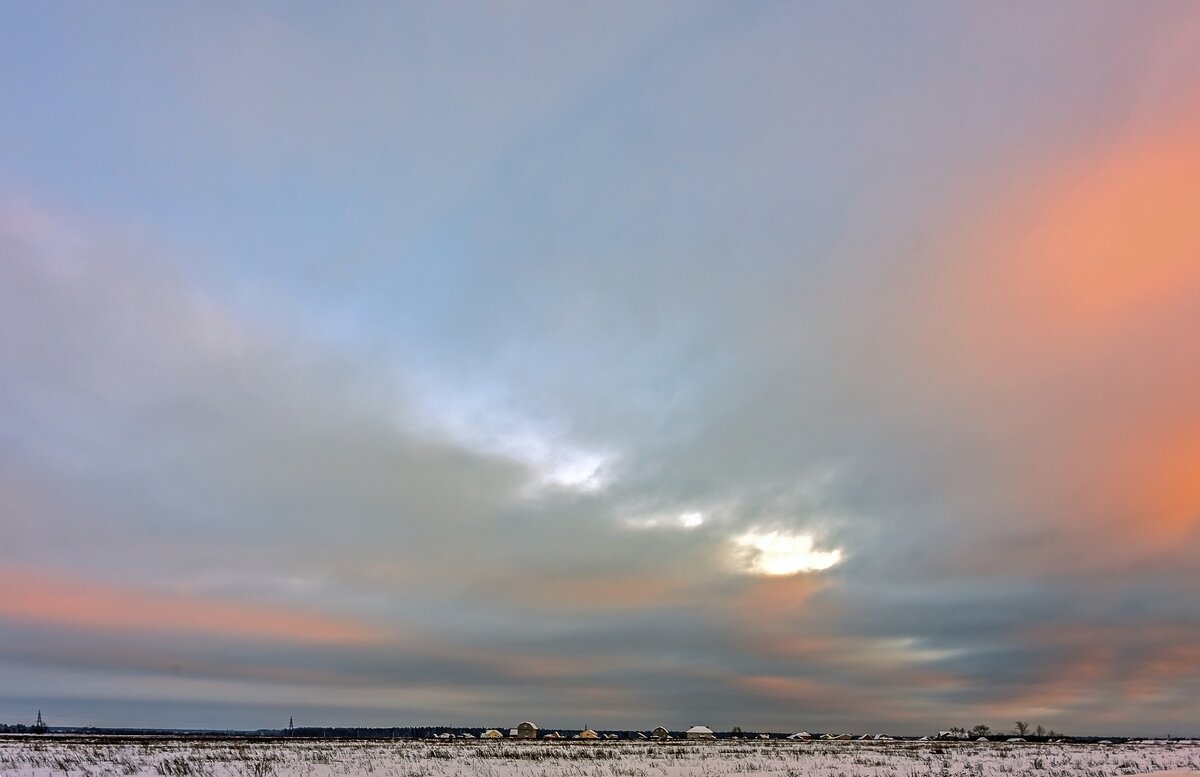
{"type": "Point", "coordinates": [663, 245]}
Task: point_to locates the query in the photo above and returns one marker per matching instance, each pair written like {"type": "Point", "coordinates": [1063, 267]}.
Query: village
{"type": "Point", "coordinates": [528, 731]}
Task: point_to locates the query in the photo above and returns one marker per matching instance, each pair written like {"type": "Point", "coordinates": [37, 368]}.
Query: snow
{"type": "Point", "coordinates": [26, 756]}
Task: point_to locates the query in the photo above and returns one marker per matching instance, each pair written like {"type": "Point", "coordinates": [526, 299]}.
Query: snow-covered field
{"type": "Point", "coordinates": [177, 757]}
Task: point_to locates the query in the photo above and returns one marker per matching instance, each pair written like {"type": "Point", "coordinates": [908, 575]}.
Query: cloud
{"type": "Point", "coordinates": [707, 369]}
{"type": "Point", "coordinates": [43, 597]}
{"type": "Point", "coordinates": [776, 553]}
{"type": "Point", "coordinates": [1067, 323]}
{"type": "Point", "coordinates": [689, 520]}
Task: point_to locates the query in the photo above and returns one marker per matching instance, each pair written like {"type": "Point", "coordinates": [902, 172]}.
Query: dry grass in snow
{"type": "Point", "coordinates": [180, 757]}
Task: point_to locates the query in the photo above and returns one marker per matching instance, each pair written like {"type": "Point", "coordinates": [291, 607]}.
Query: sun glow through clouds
{"type": "Point", "coordinates": [689, 520]}
{"type": "Point", "coordinates": [482, 423]}
{"type": "Point", "coordinates": [777, 553]}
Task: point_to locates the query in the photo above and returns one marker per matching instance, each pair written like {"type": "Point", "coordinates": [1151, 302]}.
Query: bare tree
{"type": "Point", "coordinates": [1022, 728]}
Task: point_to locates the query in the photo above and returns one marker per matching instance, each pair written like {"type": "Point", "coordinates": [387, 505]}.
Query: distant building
{"type": "Point", "coordinates": [587, 733]}
{"type": "Point", "coordinates": [527, 730]}
{"type": "Point", "coordinates": [700, 732]}
{"type": "Point", "coordinates": [491, 733]}
{"type": "Point", "coordinates": [801, 735]}
{"type": "Point", "coordinates": [660, 733]}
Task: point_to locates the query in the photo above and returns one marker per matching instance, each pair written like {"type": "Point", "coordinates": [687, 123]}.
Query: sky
{"type": "Point", "coordinates": [825, 366]}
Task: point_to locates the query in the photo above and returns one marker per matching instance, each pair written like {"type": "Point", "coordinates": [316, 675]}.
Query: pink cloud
{"type": "Point", "coordinates": [34, 596]}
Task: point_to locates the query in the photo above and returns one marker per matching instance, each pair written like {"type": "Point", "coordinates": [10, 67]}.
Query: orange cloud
{"type": "Point", "coordinates": [771, 599]}
{"type": "Point", "coordinates": [1077, 252]}
{"type": "Point", "coordinates": [1118, 237]}
{"type": "Point", "coordinates": [32, 596]}
{"type": "Point", "coordinates": [1061, 327]}
{"type": "Point", "coordinates": [1107, 666]}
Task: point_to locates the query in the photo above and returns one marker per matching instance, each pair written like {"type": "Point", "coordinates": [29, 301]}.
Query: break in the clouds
{"type": "Point", "coordinates": [784, 366]}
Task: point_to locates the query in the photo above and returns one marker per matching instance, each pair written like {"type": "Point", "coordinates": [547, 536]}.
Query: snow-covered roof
{"type": "Point", "coordinates": [699, 730]}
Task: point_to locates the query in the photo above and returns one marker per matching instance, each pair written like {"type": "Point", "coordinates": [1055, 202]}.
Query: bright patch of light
{"type": "Point", "coordinates": [479, 423]}
{"type": "Point", "coordinates": [911, 649]}
{"type": "Point", "coordinates": [777, 553]}
{"type": "Point", "coordinates": [571, 468]}
{"type": "Point", "coordinates": [683, 521]}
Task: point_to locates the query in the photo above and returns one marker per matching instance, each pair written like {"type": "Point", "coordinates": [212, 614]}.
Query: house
{"type": "Point", "coordinates": [587, 733]}
{"type": "Point", "coordinates": [660, 733]}
{"type": "Point", "coordinates": [865, 738]}
{"type": "Point", "coordinates": [1015, 739]}
{"type": "Point", "coordinates": [842, 737]}
{"type": "Point", "coordinates": [553, 735]}
{"type": "Point", "coordinates": [491, 733]}
{"type": "Point", "coordinates": [527, 730]}
{"type": "Point", "coordinates": [700, 732]}
{"type": "Point", "coordinates": [801, 735]}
